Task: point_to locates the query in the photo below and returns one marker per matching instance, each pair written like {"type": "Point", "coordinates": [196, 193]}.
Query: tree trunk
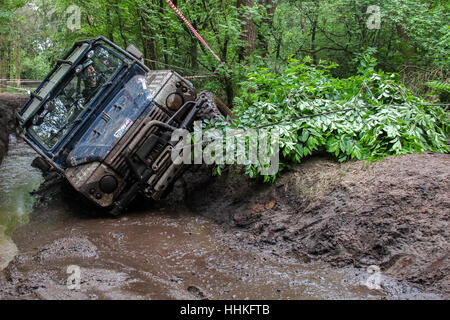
{"type": "Point", "coordinates": [194, 54]}
{"type": "Point", "coordinates": [277, 58]}
{"type": "Point", "coordinates": [271, 6]}
{"type": "Point", "coordinates": [109, 26]}
{"type": "Point", "coordinates": [314, 22]}
{"type": "Point", "coordinates": [163, 31]}
{"type": "Point", "coordinates": [148, 42]}
{"type": "Point", "coordinates": [150, 50]}
{"type": "Point", "coordinates": [227, 79]}
{"type": "Point", "coordinates": [3, 62]}
{"type": "Point", "coordinates": [229, 91]}
{"type": "Point", "coordinates": [302, 19]}
{"type": "Point", "coordinates": [313, 41]}
{"type": "Point", "coordinates": [407, 51]}
{"type": "Point", "coordinates": [249, 31]}
{"type": "Point", "coordinates": [18, 66]}
{"type": "Point", "coordinates": [120, 22]}
{"type": "Point", "coordinates": [11, 59]}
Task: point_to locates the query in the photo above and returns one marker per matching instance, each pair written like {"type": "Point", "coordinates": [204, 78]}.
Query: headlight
{"type": "Point", "coordinates": [108, 184]}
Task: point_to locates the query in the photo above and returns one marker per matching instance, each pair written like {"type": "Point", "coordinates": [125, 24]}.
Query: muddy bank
{"type": "Point", "coordinates": [393, 214]}
{"type": "Point", "coordinates": [9, 103]}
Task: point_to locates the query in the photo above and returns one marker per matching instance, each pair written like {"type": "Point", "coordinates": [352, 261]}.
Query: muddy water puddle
{"type": "Point", "coordinates": [17, 179]}
{"type": "Point", "coordinates": [177, 255]}
{"type": "Point", "coordinates": [152, 254]}
{"type": "Point", "coordinates": [199, 257]}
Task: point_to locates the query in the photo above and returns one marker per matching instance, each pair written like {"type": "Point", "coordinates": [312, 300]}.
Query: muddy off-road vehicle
{"type": "Point", "coordinates": [104, 121]}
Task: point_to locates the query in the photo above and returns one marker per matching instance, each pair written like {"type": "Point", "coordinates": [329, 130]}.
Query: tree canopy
{"type": "Point", "coordinates": [406, 36]}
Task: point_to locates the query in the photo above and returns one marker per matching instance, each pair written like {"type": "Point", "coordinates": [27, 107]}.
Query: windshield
{"type": "Point", "coordinates": [60, 113]}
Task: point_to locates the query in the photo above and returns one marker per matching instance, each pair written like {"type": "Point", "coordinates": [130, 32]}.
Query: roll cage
{"type": "Point", "coordinates": [56, 81]}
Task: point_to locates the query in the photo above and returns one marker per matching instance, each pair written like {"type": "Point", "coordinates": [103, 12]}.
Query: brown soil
{"type": "Point", "coordinates": [9, 103]}
{"type": "Point", "coordinates": [393, 214]}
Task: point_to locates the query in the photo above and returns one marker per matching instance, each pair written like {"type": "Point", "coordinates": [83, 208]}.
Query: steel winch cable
{"type": "Point", "coordinates": [169, 65]}
{"type": "Point", "coordinates": [186, 69]}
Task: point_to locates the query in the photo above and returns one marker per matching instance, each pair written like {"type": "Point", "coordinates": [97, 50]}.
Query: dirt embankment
{"type": "Point", "coordinates": [393, 214]}
{"type": "Point", "coordinates": [9, 103]}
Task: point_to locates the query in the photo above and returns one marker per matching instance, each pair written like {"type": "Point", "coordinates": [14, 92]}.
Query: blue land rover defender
{"type": "Point", "coordinates": [104, 121]}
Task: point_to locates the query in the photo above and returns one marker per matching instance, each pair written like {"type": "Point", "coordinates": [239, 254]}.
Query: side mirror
{"type": "Point", "coordinates": [135, 52]}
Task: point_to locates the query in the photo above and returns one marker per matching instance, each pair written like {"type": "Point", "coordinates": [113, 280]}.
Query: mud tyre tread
{"type": "Point", "coordinates": [213, 108]}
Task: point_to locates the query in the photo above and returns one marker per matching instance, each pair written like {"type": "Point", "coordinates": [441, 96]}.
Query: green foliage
{"type": "Point", "coordinates": [412, 33]}
{"type": "Point", "coordinates": [395, 124]}
{"type": "Point", "coordinates": [36, 67]}
{"type": "Point", "coordinates": [441, 88]}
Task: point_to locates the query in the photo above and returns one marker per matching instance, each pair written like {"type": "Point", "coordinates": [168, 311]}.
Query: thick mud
{"type": "Point", "coordinates": [232, 238]}
{"type": "Point", "coordinates": [159, 253]}
{"type": "Point", "coordinates": [393, 214]}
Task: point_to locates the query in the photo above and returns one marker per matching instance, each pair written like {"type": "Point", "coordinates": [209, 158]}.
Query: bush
{"type": "Point", "coordinates": [441, 88]}
{"type": "Point", "coordinates": [396, 122]}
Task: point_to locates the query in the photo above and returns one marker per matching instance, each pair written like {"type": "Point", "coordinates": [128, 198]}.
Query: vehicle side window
{"type": "Point", "coordinates": [54, 120]}
{"type": "Point", "coordinates": [57, 116]}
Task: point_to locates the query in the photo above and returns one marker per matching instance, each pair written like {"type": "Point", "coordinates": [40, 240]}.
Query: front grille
{"type": "Point", "coordinates": [117, 159]}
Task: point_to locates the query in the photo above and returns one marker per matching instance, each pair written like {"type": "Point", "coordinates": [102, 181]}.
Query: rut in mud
{"type": "Point", "coordinates": [392, 214]}
{"type": "Point", "coordinates": [165, 251]}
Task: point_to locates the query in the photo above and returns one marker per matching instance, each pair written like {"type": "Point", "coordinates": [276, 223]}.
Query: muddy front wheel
{"type": "Point", "coordinates": [213, 108]}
